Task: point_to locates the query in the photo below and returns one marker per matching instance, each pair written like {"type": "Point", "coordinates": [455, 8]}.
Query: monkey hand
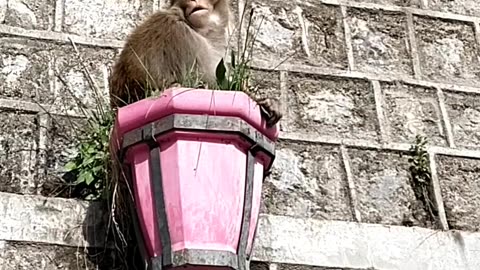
{"type": "Point", "coordinates": [175, 85]}
{"type": "Point", "coordinates": [270, 110]}
{"type": "Point", "coordinates": [268, 106]}
{"type": "Point", "coordinates": [267, 173]}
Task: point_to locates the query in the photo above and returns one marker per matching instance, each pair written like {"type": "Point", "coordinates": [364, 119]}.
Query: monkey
{"type": "Point", "coordinates": [189, 35]}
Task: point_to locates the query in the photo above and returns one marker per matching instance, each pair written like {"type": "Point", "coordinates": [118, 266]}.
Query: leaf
{"type": "Point", "coordinates": [81, 178]}
{"type": "Point", "coordinates": [85, 177]}
{"type": "Point", "coordinates": [88, 161]}
{"type": "Point", "coordinates": [220, 72]}
{"type": "Point", "coordinates": [70, 166]}
{"type": "Point", "coordinates": [100, 155]}
{"type": "Point", "coordinates": [89, 178]}
{"type": "Point", "coordinates": [91, 149]}
{"type": "Point", "coordinates": [97, 168]}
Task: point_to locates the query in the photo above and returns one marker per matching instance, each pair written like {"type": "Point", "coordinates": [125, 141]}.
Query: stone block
{"type": "Point", "coordinates": [267, 83]}
{"type": "Point", "coordinates": [28, 14]}
{"type": "Point", "coordinates": [379, 41]}
{"type": "Point", "coordinates": [384, 191]}
{"type": "Point", "coordinates": [111, 19]}
{"type": "Point", "coordinates": [308, 181]}
{"type": "Point", "coordinates": [330, 106]}
{"type": "Point", "coordinates": [276, 28]}
{"type": "Point", "coordinates": [284, 266]}
{"type": "Point", "coordinates": [401, 3]}
{"type": "Point", "coordinates": [354, 246]}
{"type": "Point", "coordinates": [18, 148]}
{"type": "Point", "coordinates": [57, 221]}
{"type": "Point", "coordinates": [448, 51]}
{"type": "Point", "coordinates": [309, 32]}
{"type": "Point", "coordinates": [73, 83]}
{"type": "Point", "coordinates": [52, 74]}
{"type": "Point", "coordinates": [63, 136]}
{"type": "Point", "coordinates": [412, 110]}
{"type": "Point", "coordinates": [259, 265]}
{"type": "Point", "coordinates": [24, 69]}
{"type": "Point", "coordinates": [460, 185]}
{"type": "Point", "coordinates": [464, 112]}
{"type": "Point", "coordinates": [467, 7]}
{"type": "Point", "coordinates": [27, 256]}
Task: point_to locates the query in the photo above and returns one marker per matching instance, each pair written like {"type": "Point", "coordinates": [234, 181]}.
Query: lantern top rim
{"type": "Point", "coordinates": [196, 102]}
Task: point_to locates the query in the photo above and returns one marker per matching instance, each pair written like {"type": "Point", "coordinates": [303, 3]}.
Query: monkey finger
{"type": "Point", "coordinates": [276, 116]}
{"type": "Point", "coordinates": [264, 110]}
{"type": "Point", "coordinates": [261, 101]}
{"type": "Point", "coordinates": [273, 120]}
{"type": "Point", "coordinates": [270, 122]}
{"type": "Point", "coordinates": [266, 104]}
{"type": "Point", "coordinates": [175, 85]}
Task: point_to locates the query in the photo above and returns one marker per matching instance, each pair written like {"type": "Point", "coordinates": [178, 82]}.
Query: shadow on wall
{"type": "Point", "coordinates": [107, 249]}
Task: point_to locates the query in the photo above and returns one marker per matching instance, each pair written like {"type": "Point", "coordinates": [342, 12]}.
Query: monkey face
{"type": "Point", "coordinates": [199, 13]}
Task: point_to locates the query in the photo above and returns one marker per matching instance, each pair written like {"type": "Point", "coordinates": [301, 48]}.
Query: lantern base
{"type": "Point", "coordinates": [189, 259]}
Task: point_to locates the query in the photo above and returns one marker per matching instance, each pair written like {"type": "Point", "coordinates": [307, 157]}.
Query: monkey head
{"type": "Point", "coordinates": [203, 14]}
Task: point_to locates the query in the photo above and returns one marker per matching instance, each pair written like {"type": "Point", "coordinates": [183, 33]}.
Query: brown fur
{"type": "Point", "coordinates": [163, 49]}
{"type": "Point", "coordinates": [166, 47]}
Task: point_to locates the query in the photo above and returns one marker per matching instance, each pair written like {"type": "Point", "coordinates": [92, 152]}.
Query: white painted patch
{"type": "Point", "coordinates": [21, 14]}
{"type": "Point", "coordinates": [3, 10]}
{"type": "Point", "coordinates": [288, 163]}
{"type": "Point", "coordinates": [367, 40]}
{"type": "Point", "coordinates": [451, 51]}
{"type": "Point", "coordinates": [270, 32]}
{"type": "Point", "coordinates": [76, 82]}
{"type": "Point", "coordinates": [13, 67]}
{"type": "Point", "coordinates": [472, 115]}
{"type": "Point", "coordinates": [468, 123]}
{"type": "Point", "coordinates": [329, 108]}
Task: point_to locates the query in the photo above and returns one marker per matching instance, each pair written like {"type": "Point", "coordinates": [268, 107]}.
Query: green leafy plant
{"type": "Point", "coordinates": [237, 76]}
{"type": "Point", "coordinates": [421, 174]}
{"type": "Point", "coordinates": [88, 173]}
{"type": "Point", "coordinates": [90, 165]}
{"type": "Point", "coordinates": [236, 79]}
{"type": "Point", "coordinates": [420, 163]}
{"type": "Point", "coordinates": [94, 174]}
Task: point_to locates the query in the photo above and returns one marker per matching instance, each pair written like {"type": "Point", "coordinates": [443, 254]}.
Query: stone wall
{"type": "Point", "coordinates": [366, 79]}
{"type": "Point", "coordinates": [357, 80]}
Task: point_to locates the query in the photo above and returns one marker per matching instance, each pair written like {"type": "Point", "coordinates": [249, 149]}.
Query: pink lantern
{"type": "Point", "coordinates": [196, 160]}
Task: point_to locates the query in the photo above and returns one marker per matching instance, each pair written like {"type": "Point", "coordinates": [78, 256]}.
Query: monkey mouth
{"type": "Point", "coordinates": [198, 9]}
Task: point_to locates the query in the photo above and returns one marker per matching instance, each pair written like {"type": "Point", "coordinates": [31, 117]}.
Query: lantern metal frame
{"type": "Point", "coordinates": [195, 123]}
